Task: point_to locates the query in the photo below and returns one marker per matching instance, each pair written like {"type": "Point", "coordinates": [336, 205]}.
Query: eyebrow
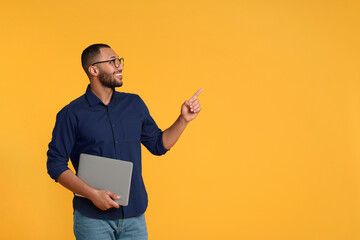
{"type": "Point", "coordinates": [113, 57]}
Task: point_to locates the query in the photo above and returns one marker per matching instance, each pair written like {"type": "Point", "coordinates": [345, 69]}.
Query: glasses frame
{"type": "Point", "coordinates": [111, 60]}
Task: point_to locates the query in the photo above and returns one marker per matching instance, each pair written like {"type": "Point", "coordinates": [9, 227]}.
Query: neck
{"type": "Point", "coordinates": [102, 92]}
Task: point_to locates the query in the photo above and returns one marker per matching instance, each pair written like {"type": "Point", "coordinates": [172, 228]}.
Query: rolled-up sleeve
{"type": "Point", "coordinates": [151, 134]}
{"type": "Point", "coordinates": [61, 145]}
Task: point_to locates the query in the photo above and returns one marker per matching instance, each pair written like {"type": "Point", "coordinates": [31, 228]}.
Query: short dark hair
{"type": "Point", "coordinates": [90, 53]}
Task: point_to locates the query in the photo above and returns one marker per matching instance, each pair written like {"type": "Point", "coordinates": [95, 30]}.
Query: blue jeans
{"type": "Point", "coordinates": [97, 229]}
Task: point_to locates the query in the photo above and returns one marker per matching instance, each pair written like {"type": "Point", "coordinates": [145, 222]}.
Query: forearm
{"type": "Point", "coordinates": [101, 198]}
{"type": "Point", "coordinates": [172, 134]}
{"type": "Point", "coordinates": [70, 181]}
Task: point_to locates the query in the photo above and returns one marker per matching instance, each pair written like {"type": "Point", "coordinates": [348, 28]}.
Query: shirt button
{"type": "Point", "coordinates": [113, 125]}
{"type": "Point", "coordinates": [116, 142]}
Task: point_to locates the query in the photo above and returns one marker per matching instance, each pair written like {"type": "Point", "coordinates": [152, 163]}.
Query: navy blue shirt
{"type": "Point", "coordinates": [116, 131]}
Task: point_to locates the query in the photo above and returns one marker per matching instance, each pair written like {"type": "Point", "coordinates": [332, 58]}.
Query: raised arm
{"type": "Point", "coordinates": [189, 111]}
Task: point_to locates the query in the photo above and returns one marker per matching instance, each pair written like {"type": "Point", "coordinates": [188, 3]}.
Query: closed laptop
{"type": "Point", "coordinates": [109, 174]}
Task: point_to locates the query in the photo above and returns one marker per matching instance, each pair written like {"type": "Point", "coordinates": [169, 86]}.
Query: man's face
{"type": "Point", "coordinates": [109, 75]}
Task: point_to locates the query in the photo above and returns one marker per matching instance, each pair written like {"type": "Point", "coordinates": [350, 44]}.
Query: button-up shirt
{"type": "Point", "coordinates": [116, 131]}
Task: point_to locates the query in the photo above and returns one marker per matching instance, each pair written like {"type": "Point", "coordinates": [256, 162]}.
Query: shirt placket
{"type": "Point", "coordinates": [113, 129]}
{"type": "Point", "coordinates": [115, 134]}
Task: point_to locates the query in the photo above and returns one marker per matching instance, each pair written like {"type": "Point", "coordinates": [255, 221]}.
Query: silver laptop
{"type": "Point", "coordinates": [106, 174]}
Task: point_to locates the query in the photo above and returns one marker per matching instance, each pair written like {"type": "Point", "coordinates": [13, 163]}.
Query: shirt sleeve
{"type": "Point", "coordinates": [61, 145]}
{"type": "Point", "coordinates": [151, 134]}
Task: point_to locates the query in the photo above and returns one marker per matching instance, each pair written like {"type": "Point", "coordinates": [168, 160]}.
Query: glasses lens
{"type": "Point", "coordinates": [118, 61]}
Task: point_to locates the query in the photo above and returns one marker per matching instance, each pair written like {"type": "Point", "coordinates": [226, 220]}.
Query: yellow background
{"type": "Point", "coordinates": [273, 155]}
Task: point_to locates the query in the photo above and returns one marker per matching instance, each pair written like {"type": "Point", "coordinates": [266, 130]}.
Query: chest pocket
{"type": "Point", "coordinates": [131, 129]}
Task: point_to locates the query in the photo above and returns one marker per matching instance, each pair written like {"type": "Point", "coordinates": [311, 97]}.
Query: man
{"type": "Point", "coordinates": [111, 124]}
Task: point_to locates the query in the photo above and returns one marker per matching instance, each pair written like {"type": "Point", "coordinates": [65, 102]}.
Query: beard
{"type": "Point", "coordinates": [108, 80]}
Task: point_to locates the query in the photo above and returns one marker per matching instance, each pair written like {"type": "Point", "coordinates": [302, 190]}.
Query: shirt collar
{"type": "Point", "coordinates": [94, 100]}
{"type": "Point", "coordinates": [91, 97]}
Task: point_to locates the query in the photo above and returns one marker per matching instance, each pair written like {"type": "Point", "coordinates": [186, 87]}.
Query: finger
{"type": "Point", "coordinates": [194, 103]}
{"type": "Point", "coordinates": [197, 110]}
{"type": "Point", "coordinates": [114, 196]}
{"type": "Point", "coordinates": [195, 107]}
{"type": "Point", "coordinates": [115, 205]}
{"type": "Point", "coordinates": [196, 94]}
{"type": "Point", "coordinates": [111, 201]}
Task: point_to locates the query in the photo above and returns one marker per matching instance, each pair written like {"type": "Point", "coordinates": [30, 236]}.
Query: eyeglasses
{"type": "Point", "coordinates": [116, 61]}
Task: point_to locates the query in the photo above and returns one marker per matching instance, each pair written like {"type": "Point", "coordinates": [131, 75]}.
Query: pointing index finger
{"type": "Point", "coordinates": [196, 94]}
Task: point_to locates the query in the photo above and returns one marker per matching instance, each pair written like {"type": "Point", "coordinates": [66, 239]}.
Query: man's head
{"type": "Point", "coordinates": [91, 55]}
{"type": "Point", "coordinates": [102, 64]}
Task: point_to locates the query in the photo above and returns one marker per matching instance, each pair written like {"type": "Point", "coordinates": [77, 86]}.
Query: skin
{"type": "Point", "coordinates": [103, 78]}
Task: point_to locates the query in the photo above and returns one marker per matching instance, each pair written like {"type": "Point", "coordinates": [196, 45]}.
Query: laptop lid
{"type": "Point", "coordinates": [109, 174]}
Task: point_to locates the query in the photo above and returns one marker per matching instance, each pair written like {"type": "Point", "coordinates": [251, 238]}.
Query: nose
{"type": "Point", "coordinates": [121, 67]}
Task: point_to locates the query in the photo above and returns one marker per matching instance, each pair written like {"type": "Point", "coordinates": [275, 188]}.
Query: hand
{"type": "Point", "coordinates": [191, 108]}
{"type": "Point", "coordinates": [104, 199]}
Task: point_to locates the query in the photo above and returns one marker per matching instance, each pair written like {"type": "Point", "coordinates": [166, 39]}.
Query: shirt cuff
{"type": "Point", "coordinates": [162, 150]}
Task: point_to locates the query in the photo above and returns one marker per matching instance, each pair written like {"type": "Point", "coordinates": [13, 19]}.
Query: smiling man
{"type": "Point", "coordinates": [111, 124]}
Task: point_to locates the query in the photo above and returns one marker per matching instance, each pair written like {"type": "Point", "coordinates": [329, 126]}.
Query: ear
{"type": "Point", "coordinates": [93, 71]}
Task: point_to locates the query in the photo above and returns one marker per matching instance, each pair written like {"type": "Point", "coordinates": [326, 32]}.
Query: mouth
{"type": "Point", "coordinates": [118, 74]}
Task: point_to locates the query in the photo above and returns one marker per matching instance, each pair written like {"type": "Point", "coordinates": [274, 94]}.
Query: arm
{"type": "Point", "coordinates": [101, 198]}
{"type": "Point", "coordinates": [58, 156]}
{"type": "Point", "coordinates": [189, 111]}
